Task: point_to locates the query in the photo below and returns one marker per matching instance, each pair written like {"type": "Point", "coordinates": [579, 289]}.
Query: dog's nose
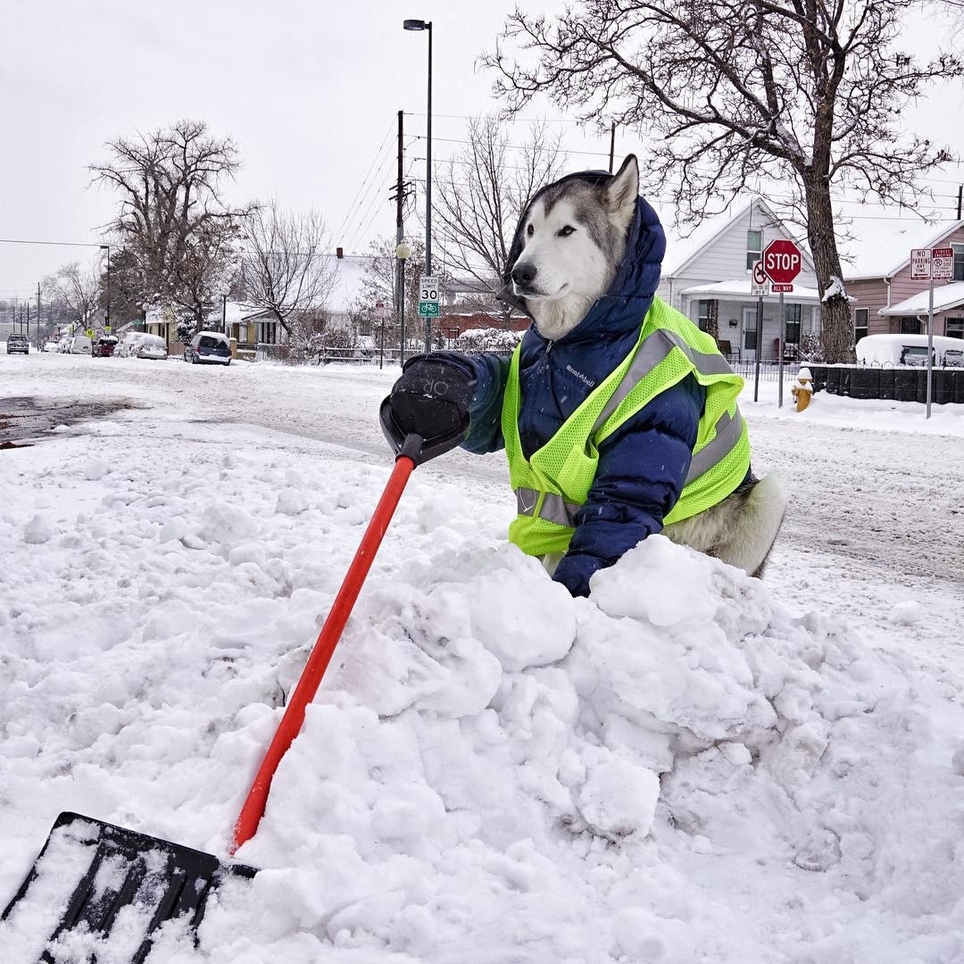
{"type": "Point", "coordinates": [524, 274]}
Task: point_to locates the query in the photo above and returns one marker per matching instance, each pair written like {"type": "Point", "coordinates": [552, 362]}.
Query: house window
{"type": "Point", "coordinates": [704, 311]}
{"type": "Point", "coordinates": [958, 261]}
{"type": "Point", "coordinates": [791, 314]}
{"type": "Point", "coordinates": [754, 248]}
{"type": "Point", "coordinates": [954, 327]}
{"type": "Point", "coordinates": [910, 326]}
{"type": "Point", "coordinates": [861, 323]}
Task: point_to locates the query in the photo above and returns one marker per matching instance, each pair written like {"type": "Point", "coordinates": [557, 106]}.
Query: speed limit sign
{"type": "Point", "coordinates": [428, 288]}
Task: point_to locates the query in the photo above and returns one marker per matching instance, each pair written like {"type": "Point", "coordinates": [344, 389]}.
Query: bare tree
{"type": "Point", "coordinates": [173, 224]}
{"type": "Point", "coordinates": [482, 190]}
{"type": "Point", "coordinates": [75, 293]}
{"type": "Point", "coordinates": [287, 267]}
{"type": "Point", "coordinates": [807, 93]}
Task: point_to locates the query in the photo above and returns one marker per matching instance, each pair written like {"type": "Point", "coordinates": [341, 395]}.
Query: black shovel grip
{"type": "Point", "coordinates": [413, 446]}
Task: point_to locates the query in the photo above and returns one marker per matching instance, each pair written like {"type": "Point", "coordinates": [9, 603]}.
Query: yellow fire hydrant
{"type": "Point", "coordinates": [802, 389]}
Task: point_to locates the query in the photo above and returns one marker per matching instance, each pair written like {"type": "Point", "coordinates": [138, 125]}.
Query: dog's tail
{"type": "Point", "coordinates": [755, 529]}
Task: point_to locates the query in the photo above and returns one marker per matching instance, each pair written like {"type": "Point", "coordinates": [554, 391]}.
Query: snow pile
{"type": "Point", "coordinates": [674, 770]}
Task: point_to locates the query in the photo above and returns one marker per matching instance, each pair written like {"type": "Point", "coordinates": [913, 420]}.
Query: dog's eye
{"type": "Point", "coordinates": [566, 231]}
{"type": "Point", "coordinates": [530, 230]}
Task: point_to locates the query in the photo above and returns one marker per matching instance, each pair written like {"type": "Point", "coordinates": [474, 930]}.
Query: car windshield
{"type": "Point", "coordinates": [209, 341]}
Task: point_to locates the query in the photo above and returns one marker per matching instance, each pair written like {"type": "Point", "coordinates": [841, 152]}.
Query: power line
{"type": "Point", "coordinates": [365, 180]}
{"type": "Point", "coordinates": [63, 244]}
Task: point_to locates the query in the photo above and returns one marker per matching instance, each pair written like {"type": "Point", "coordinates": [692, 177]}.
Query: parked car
{"type": "Point", "coordinates": [125, 347]}
{"type": "Point", "coordinates": [887, 351]}
{"type": "Point", "coordinates": [149, 346]}
{"type": "Point", "coordinates": [51, 346]}
{"type": "Point", "coordinates": [209, 347]}
{"type": "Point", "coordinates": [104, 346]}
{"type": "Point", "coordinates": [18, 343]}
{"type": "Point", "coordinates": [80, 345]}
{"type": "Point", "coordinates": [63, 346]}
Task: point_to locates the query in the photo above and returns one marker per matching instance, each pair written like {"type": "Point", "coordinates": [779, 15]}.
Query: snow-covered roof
{"type": "Point", "coordinates": [881, 243]}
{"type": "Point", "coordinates": [349, 274]}
{"type": "Point", "coordinates": [679, 250]}
{"type": "Point", "coordinates": [741, 288]}
{"type": "Point", "coordinates": [945, 297]}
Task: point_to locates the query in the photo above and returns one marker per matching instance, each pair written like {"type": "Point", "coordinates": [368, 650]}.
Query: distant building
{"type": "Point", "coordinates": [886, 300]}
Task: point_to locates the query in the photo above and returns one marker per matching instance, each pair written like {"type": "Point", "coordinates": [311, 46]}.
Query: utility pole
{"type": "Point", "coordinates": [399, 231]}
{"type": "Point", "coordinates": [39, 346]}
{"type": "Point", "coordinates": [612, 146]}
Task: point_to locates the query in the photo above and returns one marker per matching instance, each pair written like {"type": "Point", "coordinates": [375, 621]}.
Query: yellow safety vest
{"type": "Point", "coordinates": [553, 484]}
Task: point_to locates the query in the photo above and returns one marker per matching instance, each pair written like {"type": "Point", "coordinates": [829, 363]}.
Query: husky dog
{"type": "Point", "coordinates": [564, 258]}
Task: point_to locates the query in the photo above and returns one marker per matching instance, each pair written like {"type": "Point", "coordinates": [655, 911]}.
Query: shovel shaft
{"type": "Point", "coordinates": [321, 653]}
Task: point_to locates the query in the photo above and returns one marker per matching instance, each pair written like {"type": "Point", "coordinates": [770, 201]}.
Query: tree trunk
{"type": "Point", "coordinates": [837, 330]}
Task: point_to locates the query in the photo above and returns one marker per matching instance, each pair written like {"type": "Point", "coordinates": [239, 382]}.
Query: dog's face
{"type": "Point", "coordinates": [569, 245]}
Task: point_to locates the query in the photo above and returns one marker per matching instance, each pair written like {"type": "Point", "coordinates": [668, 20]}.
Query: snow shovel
{"type": "Point", "coordinates": [124, 877]}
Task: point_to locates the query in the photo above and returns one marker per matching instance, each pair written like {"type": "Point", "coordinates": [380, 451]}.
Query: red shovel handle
{"type": "Point", "coordinates": [321, 653]}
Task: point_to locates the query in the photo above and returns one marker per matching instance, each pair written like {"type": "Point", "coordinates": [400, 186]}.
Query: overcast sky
{"type": "Point", "coordinates": [308, 90]}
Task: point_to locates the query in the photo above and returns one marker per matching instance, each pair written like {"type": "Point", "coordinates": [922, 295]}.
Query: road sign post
{"type": "Point", "coordinates": [782, 262]}
{"type": "Point", "coordinates": [931, 264]}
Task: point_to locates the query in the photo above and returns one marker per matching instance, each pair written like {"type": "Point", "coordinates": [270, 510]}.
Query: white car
{"type": "Point", "coordinates": [51, 346]}
{"type": "Point", "coordinates": [150, 346]}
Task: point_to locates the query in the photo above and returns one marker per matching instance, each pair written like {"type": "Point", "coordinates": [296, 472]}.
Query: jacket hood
{"type": "Point", "coordinates": [637, 276]}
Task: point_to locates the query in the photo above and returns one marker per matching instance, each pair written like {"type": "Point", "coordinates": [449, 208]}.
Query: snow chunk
{"type": "Point", "coordinates": [522, 624]}
{"type": "Point", "coordinates": [291, 502]}
{"type": "Point", "coordinates": [906, 613]}
{"type": "Point", "coordinates": [646, 584]}
{"type": "Point", "coordinates": [39, 529]}
{"type": "Point", "coordinates": [618, 797]}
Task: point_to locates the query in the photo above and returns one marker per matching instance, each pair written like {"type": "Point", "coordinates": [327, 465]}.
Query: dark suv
{"type": "Point", "coordinates": [18, 343]}
{"type": "Point", "coordinates": [210, 347]}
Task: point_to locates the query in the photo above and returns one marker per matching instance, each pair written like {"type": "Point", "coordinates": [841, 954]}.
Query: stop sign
{"type": "Point", "coordinates": [782, 261]}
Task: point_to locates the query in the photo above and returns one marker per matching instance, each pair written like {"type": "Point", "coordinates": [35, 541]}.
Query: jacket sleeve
{"type": "Point", "coordinates": [485, 408]}
{"type": "Point", "coordinates": [641, 472]}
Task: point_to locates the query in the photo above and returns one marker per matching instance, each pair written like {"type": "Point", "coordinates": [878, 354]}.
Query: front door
{"type": "Point", "coordinates": [748, 334]}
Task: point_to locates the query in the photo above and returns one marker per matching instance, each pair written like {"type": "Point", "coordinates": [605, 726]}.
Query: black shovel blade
{"type": "Point", "coordinates": [91, 876]}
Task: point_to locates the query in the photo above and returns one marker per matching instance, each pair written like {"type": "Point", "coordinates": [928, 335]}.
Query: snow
{"type": "Point", "coordinates": [690, 765]}
{"type": "Point", "coordinates": [945, 297]}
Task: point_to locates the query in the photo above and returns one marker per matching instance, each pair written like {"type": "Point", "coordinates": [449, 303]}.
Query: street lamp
{"type": "Point", "coordinates": [106, 247]}
{"type": "Point", "coordinates": [427, 25]}
{"type": "Point", "coordinates": [403, 252]}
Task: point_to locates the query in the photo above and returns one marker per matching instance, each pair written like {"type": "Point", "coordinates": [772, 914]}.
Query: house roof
{"type": "Point", "coordinates": [741, 289]}
{"type": "Point", "coordinates": [945, 297]}
{"type": "Point", "coordinates": [882, 244]}
{"type": "Point", "coordinates": [680, 251]}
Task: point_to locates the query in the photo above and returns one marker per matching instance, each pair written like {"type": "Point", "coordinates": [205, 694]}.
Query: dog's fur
{"type": "Point", "coordinates": [563, 259]}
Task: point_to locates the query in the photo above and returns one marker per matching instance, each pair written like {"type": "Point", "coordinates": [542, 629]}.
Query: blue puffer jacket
{"type": "Point", "coordinates": [642, 466]}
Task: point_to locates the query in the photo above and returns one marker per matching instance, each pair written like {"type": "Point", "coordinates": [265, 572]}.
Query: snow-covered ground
{"type": "Point", "coordinates": [690, 766]}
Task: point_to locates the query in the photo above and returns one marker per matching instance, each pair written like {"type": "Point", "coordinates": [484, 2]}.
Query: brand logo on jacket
{"type": "Point", "coordinates": [583, 378]}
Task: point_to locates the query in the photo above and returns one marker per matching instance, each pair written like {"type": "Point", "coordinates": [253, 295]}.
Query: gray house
{"type": "Point", "coordinates": [708, 278]}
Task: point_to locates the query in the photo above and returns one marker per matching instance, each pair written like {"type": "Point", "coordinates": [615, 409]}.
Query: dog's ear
{"type": "Point", "coordinates": [621, 192]}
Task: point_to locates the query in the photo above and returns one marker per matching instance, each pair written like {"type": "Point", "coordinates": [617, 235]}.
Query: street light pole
{"type": "Point", "coordinates": [427, 25]}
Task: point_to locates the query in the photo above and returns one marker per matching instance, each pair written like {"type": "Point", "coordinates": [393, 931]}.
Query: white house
{"type": "Point", "coordinates": [708, 278]}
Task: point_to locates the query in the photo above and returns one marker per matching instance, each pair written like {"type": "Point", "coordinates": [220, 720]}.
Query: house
{"type": "Point", "coordinates": [708, 277]}
{"type": "Point", "coordinates": [885, 299]}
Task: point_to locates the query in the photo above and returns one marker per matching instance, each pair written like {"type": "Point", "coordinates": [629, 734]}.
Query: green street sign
{"type": "Point", "coordinates": [428, 309]}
